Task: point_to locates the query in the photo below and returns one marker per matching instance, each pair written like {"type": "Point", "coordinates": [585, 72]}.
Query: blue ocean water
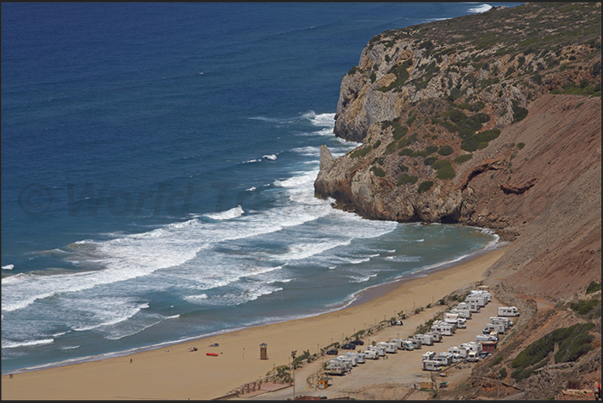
{"type": "Point", "coordinates": [158, 162]}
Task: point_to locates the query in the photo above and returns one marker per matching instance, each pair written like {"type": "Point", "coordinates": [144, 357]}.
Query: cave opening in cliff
{"type": "Point", "coordinates": [448, 219]}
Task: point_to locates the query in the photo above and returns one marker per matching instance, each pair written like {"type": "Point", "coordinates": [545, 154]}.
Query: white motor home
{"type": "Point", "coordinates": [335, 367]}
{"type": "Point", "coordinates": [404, 344]}
{"type": "Point", "coordinates": [482, 293]}
{"type": "Point", "coordinates": [498, 319]}
{"type": "Point", "coordinates": [417, 341]}
{"type": "Point", "coordinates": [498, 327]}
{"type": "Point", "coordinates": [485, 337]}
{"type": "Point", "coordinates": [358, 356]}
{"type": "Point", "coordinates": [458, 350]}
{"type": "Point", "coordinates": [353, 361]}
{"type": "Point", "coordinates": [430, 365]}
{"type": "Point", "coordinates": [390, 348]}
{"type": "Point", "coordinates": [473, 356]}
{"type": "Point", "coordinates": [472, 346]}
{"type": "Point", "coordinates": [507, 311]}
{"type": "Point", "coordinates": [446, 329]}
{"type": "Point", "coordinates": [371, 354]}
{"type": "Point", "coordinates": [443, 359]}
{"type": "Point", "coordinates": [426, 339]}
{"type": "Point", "coordinates": [427, 356]}
{"type": "Point", "coordinates": [477, 299]}
{"type": "Point", "coordinates": [463, 313]}
{"type": "Point", "coordinates": [380, 350]}
{"type": "Point", "coordinates": [435, 336]}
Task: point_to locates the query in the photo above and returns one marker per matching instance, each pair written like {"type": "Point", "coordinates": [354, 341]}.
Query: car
{"type": "Point", "coordinates": [332, 351]}
{"type": "Point", "coordinates": [349, 346]}
{"type": "Point", "coordinates": [357, 342]}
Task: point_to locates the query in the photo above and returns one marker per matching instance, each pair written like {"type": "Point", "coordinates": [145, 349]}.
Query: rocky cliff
{"type": "Point", "coordinates": [491, 120]}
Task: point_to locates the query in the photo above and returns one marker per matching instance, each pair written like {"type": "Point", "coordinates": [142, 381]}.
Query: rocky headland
{"type": "Point", "coordinates": [492, 120]}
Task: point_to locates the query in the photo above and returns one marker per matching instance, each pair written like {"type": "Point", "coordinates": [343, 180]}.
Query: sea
{"type": "Point", "coordinates": [158, 162]}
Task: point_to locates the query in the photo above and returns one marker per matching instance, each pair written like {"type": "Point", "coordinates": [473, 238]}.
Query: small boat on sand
{"type": "Point", "coordinates": [212, 354]}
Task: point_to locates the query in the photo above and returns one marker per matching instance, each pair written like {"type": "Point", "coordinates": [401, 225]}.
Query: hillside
{"type": "Point", "coordinates": [491, 120]}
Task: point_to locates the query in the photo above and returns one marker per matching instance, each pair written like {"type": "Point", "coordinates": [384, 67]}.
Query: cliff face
{"type": "Point", "coordinates": [485, 120]}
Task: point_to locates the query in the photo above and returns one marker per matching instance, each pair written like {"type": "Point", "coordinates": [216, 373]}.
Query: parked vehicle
{"type": "Point", "coordinates": [427, 356]}
{"type": "Point", "coordinates": [349, 346]}
{"type": "Point", "coordinates": [444, 359]}
{"type": "Point", "coordinates": [426, 339]}
{"type": "Point", "coordinates": [351, 359]}
{"type": "Point", "coordinates": [436, 336]}
{"type": "Point", "coordinates": [336, 367]}
{"type": "Point", "coordinates": [390, 348]}
{"type": "Point", "coordinates": [397, 323]}
{"type": "Point", "coordinates": [371, 354]}
{"type": "Point", "coordinates": [430, 365]}
{"type": "Point", "coordinates": [358, 342]}
{"type": "Point", "coordinates": [463, 313]}
{"type": "Point", "coordinates": [359, 357]}
{"type": "Point", "coordinates": [332, 351]}
{"type": "Point", "coordinates": [507, 311]}
{"type": "Point", "coordinates": [473, 356]}
{"type": "Point", "coordinates": [380, 350]}
{"type": "Point", "coordinates": [458, 350]}
{"type": "Point", "coordinates": [416, 340]}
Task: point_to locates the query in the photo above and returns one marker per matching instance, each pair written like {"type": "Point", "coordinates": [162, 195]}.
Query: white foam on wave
{"type": "Point", "coordinates": [26, 343]}
{"type": "Point", "coordinates": [109, 312]}
{"type": "Point", "coordinates": [311, 151]}
{"type": "Point", "coordinates": [228, 214]}
{"type": "Point", "coordinates": [482, 8]}
{"type": "Point", "coordinates": [404, 259]}
{"type": "Point", "coordinates": [271, 157]}
{"type": "Point", "coordinates": [251, 189]}
{"type": "Point", "coordinates": [361, 279]}
{"type": "Point", "coordinates": [305, 250]}
{"type": "Point", "coordinates": [69, 347]}
{"type": "Point", "coordinates": [250, 161]}
{"type": "Point", "coordinates": [8, 267]}
{"type": "Point", "coordinates": [322, 119]}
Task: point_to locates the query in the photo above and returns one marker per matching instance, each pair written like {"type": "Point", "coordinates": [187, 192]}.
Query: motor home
{"type": "Point", "coordinates": [436, 336]}
{"type": "Point", "coordinates": [417, 341]}
{"type": "Point", "coordinates": [354, 357]}
{"type": "Point", "coordinates": [425, 339]}
{"type": "Point", "coordinates": [498, 327]}
{"type": "Point", "coordinates": [478, 299]}
{"type": "Point", "coordinates": [359, 357]}
{"type": "Point", "coordinates": [472, 346]}
{"type": "Point", "coordinates": [404, 344]}
{"type": "Point", "coordinates": [335, 367]}
{"type": "Point", "coordinates": [371, 354]}
{"type": "Point", "coordinates": [427, 356]}
{"type": "Point", "coordinates": [473, 307]}
{"type": "Point", "coordinates": [485, 337]}
{"type": "Point", "coordinates": [450, 317]}
{"type": "Point", "coordinates": [473, 356]}
{"type": "Point", "coordinates": [507, 311]}
{"type": "Point", "coordinates": [430, 365]}
{"type": "Point", "coordinates": [457, 358]}
{"type": "Point", "coordinates": [390, 348]}
{"type": "Point", "coordinates": [443, 359]}
{"type": "Point", "coordinates": [446, 329]}
{"type": "Point", "coordinates": [463, 313]}
{"type": "Point", "coordinates": [458, 350]}
{"type": "Point", "coordinates": [482, 293]}
{"type": "Point", "coordinates": [353, 361]}
{"type": "Point", "coordinates": [380, 350]}
{"type": "Point", "coordinates": [498, 319]}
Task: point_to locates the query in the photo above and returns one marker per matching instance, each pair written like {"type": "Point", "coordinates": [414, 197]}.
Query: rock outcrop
{"type": "Point", "coordinates": [486, 120]}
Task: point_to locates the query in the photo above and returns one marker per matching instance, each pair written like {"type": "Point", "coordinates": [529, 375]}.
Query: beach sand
{"type": "Point", "coordinates": [176, 373]}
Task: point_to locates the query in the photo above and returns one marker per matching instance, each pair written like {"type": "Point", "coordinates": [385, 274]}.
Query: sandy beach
{"type": "Point", "coordinates": [176, 373]}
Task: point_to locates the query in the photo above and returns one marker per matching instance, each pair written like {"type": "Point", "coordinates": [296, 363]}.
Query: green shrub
{"type": "Point", "coordinates": [355, 69]}
{"type": "Point", "coordinates": [431, 149]}
{"type": "Point", "coordinates": [520, 145]}
{"type": "Point", "coordinates": [496, 361]}
{"type": "Point", "coordinates": [583, 307]}
{"type": "Point", "coordinates": [430, 160]}
{"type": "Point", "coordinates": [593, 287]}
{"type": "Point", "coordinates": [445, 150]}
{"type": "Point", "coordinates": [361, 152]}
{"type": "Point", "coordinates": [425, 186]}
{"type": "Point", "coordinates": [403, 168]}
{"type": "Point", "coordinates": [405, 178]}
{"type": "Point", "coordinates": [503, 372]}
{"type": "Point", "coordinates": [377, 144]}
{"type": "Point", "coordinates": [487, 135]}
{"type": "Point", "coordinates": [378, 171]}
{"type": "Point", "coordinates": [373, 77]}
{"type": "Point", "coordinates": [399, 131]}
{"type": "Point", "coordinates": [463, 158]}
{"type": "Point", "coordinates": [519, 113]}
{"type": "Point", "coordinates": [444, 168]}
{"type": "Point", "coordinates": [406, 151]}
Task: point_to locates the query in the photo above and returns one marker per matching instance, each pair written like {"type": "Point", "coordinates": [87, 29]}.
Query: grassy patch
{"type": "Point", "coordinates": [405, 178]}
{"type": "Point", "coordinates": [378, 171]}
{"type": "Point", "coordinates": [445, 150]}
{"type": "Point", "coordinates": [463, 158]}
{"type": "Point", "coordinates": [361, 152]}
{"type": "Point", "coordinates": [593, 287]}
{"type": "Point", "coordinates": [444, 169]}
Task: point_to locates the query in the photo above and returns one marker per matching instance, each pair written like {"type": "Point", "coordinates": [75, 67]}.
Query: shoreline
{"type": "Point", "coordinates": [358, 298]}
{"type": "Point", "coordinates": [176, 373]}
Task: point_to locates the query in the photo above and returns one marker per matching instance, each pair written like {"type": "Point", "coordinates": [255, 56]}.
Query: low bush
{"type": "Point", "coordinates": [463, 158]}
{"type": "Point", "coordinates": [445, 150]}
{"type": "Point", "coordinates": [583, 307]}
{"type": "Point", "coordinates": [405, 178]}
{"type": "Point", "coordinates": [361, 152]}
{"type": "Point", "coordinates": [425, 186]}
{"type": "Point", "coordinates": [378, 171]}
{"type": "Point", "coordinates": [593, 287]}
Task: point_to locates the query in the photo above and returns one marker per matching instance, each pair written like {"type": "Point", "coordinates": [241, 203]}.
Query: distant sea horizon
{"type": "Point", "coordinates": [158, 162]}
